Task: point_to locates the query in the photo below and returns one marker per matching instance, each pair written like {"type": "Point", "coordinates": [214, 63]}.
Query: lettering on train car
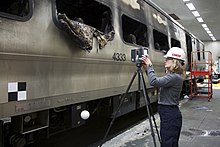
{"type": "Point", "coordinates": [84, 20]}
{"type": "Point", "coordinates": [119, 57]}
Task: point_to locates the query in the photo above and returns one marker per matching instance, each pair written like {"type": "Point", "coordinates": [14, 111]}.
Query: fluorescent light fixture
{"type": "Point", "coordinates": [204, 25]}
{"type": "Point", "coordinates": [209, 32]}
{"type": "Point", "coordinates": [214, 39]}
{"type": "Point", "coordinates": [210, 35]}
{"type": "Point", "coordinates": [191, 6]}
{"type": "Point", "coordinates": [186, 0]}
{"type": "Point", "coordinates": [207, 29]}
{"type": "Point", "coordinates": [195, 13]}
{"type": "Point", "coordinates": [200, 19]}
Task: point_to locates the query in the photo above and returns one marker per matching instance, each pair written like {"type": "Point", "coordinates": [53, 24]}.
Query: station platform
{"type": "Point", "coordinates": [201, 126]}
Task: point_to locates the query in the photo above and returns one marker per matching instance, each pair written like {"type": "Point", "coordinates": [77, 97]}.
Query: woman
{"type": "Point", "coordinates": [170, 89]}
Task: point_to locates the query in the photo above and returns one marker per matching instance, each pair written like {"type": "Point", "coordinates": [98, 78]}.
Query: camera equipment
{"type": "Point", "coordinates": [136, 55]}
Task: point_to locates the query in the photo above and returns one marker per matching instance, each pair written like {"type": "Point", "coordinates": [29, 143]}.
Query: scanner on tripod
{"type": "Point", "coordinates": [136, 54]}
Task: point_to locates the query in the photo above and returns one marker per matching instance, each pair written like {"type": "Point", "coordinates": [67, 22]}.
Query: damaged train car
{"type": "Point", "coordinates": [60, 57]}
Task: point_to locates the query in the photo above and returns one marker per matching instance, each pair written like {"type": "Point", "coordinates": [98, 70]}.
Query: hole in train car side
{"type": "Point", "coordinates": [83, 20]}
{"type": "Point", "coordinates": [134, 32]}
{"type": "Point", "coordinates": [160, 41]}
{"type": "Point", "coordinates": [20, 10]}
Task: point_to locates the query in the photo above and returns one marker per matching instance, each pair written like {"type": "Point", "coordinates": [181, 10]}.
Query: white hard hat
{"type": "Point", "coordinates": [176, 53]}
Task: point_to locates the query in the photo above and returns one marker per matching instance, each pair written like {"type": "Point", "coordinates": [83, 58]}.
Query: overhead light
{"type": "Point", "coordinates": [204, 25]}
{"type": "Point", "coordinates": [191, 6]}
{"type": "Point", "coordinates": [213, 39]}
{"type": "Point", "coordinates": [207, 29]}
{"type": "Point", "coordinates": [200, 19]}
{"type": "Point", "coordinates": [195, 13]}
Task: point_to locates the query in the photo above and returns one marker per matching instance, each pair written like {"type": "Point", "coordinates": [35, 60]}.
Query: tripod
{"type": "Point", "coordinates": [141, 83]}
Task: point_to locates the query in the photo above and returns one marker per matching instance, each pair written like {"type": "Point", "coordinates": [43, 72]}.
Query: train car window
{"type": "Point", "coordinates": [89, 12]}
{"type": "Point", "coordinates": [198, 49]}
{"type": "Point", "coordinates": [160, 41]}
{"type": "Point", "coordinates": [16, 9]}
{"type": "Point", "coordinates": [175, 43]}
{"type": "Point", "coordinates": [198, 55]}
{"type": "Point", "coordinates": [203, 50]}
{"type": "Point", "coordinates": [203, 53]}
{"type": "Point", "coordinates": [83, 20]}
{"type": "Point", "coordinates": [134, 32]}
{"type": "Point", "coordinates": [189, 50]}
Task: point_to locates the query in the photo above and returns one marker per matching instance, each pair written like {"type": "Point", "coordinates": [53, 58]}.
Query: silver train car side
{"type": "Point", "coordinates": [59, 57]}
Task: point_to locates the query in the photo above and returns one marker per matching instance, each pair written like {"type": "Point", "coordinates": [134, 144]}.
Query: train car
{"type": "Point", "coordinates": [60, 57]}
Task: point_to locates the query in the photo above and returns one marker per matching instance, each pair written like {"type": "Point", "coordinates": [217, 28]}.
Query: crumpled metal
{"type": "Point", "coordinates": [83, 34]}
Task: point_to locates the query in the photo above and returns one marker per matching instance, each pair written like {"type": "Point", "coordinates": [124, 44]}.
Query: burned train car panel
{"type": "Point", "coordinates": [159, 21]}
{"type": "Point", "coordinates": [84, 20]}
{"type": "Point", "coordinates": [143, 17]}
{"type": "Point", "coordinates": [176, 36]}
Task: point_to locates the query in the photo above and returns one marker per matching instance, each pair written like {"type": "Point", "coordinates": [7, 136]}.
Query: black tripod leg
{"type": "Point", "coordinates": [151, 112]}
{"type": "Point", "coordinates": [121, 102]}
{"type": "Point", "coordinates": [148, 106]}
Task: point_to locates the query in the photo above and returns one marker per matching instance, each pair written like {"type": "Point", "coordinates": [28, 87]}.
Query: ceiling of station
{"type": "Point", "coordinates": [208, 10]}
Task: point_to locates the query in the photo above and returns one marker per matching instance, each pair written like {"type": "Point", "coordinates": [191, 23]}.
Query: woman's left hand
{"type": "Point", "coordinates": [146, 61]}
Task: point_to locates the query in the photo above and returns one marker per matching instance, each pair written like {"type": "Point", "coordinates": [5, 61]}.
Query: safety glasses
{"type": "Point", "coordinates": [168, 58]}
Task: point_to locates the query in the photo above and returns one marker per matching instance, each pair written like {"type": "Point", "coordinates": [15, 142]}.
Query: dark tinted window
{"type": "Point", "coordinates": [189, 50]}
{"type": "Point", "coordinates": [16, 9]}
{"type": "Point", "coordinates": [134, 32]}
{"type": "Point", "coordinates": [89, 12]}
{"type": "Point", "coordinates": [175, 43]}
{"type": "Point", "coordinates": [160, 41]}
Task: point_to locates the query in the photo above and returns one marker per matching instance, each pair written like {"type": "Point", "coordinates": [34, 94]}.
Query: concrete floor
{"type": "Point", "coordinates": [201, 126]}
